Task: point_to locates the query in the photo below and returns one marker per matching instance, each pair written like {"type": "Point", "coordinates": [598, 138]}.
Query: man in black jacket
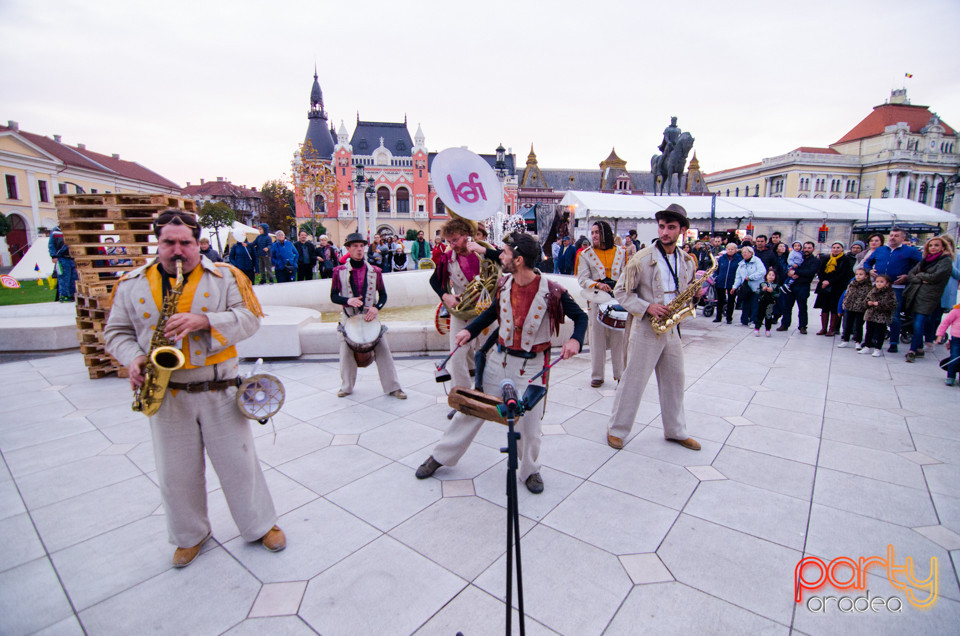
{"type": "Point", "coordinates": [800, 288]}
{"type": "Point", "coordinates": [306, 257]}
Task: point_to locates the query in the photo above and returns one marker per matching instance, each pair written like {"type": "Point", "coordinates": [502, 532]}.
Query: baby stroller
{"type": "Point", "coordinates": [709, 298]}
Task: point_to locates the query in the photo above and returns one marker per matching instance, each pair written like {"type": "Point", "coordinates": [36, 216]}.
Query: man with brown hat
{"type": "Point", "coordinates": [649, 282]}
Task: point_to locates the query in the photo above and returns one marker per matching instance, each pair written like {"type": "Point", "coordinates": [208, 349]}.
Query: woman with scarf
{"type": "Point", "coordinates": [835, 274]}
{"type": "Point", "coordinates": [925, 285]}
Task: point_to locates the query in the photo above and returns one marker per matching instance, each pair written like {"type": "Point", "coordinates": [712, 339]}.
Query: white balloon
{"type": "Point", "coordinates": [466, 184]}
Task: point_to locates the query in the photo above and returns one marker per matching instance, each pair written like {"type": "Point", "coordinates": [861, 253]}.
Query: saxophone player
{"type": "Point", "coordinates": [216, 309]}
{"type": "Point", "coordinates": [649, 282]}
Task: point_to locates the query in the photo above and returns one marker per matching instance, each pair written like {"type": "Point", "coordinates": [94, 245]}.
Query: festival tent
{"type": "Point", "coordinates": [36, 256]}
{"type": "Point", "coordinates": [226, 235]}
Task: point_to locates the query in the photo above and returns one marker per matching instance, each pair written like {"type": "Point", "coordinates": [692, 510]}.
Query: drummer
{"type": "Point", "coordinates": [598, 273]}
{"type": "Point", "coordinates": [530, 309]}
{"type": "Point", "coordinates": [457, 267]}
{"type": "Point", "coordinates": [359, 288]}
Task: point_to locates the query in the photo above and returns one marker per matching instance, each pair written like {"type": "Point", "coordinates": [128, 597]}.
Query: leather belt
{"type": "Point", "coordinates": [200, 387]}
{"type": "Point", "coordinates": [520, 353]}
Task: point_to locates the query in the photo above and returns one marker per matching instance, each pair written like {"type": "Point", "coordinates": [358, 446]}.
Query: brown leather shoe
{"type": "Point", "coordinates": [399, 394]}
{"type": "Point", "coordinates": [614, 442]}
{"type": "Point", "coordinates": [342, 393]}
{"type": "Point", "coordinates": [690, 443]}
{"type": "Point", "coordinates": [595, 383]}
{"type": "Point", "coordinates": [182, 557]}
{"type": "Point", "coordinates": [274, 540]}
{"type": "Point", "coordinates": [428, 467]}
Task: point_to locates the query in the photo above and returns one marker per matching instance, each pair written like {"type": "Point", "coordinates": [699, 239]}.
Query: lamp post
{"type": "Point", "coordinates": [361, 217]}
{"type": "Point", "coordinates": [372, 205]}
{"type": "Point", "coordinates": [885, 193]}
{"type": "Point", "coordinates": [501, 168]}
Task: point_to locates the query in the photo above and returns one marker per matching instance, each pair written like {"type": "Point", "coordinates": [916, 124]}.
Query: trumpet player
{"type": "Point", "coordinates": [649, 282]}
{"type": "Point", "coordinates": [599, 268]}
{"type": "Point", "coordinates": [215, 310]}
{"type": "Point", "coordinates": [455, 269]}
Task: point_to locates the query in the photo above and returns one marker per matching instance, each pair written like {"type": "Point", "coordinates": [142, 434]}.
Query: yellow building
{"type": "Point", "coordinates": [899, 150]}
{"type": "Point", "coordinates": [36, 168]}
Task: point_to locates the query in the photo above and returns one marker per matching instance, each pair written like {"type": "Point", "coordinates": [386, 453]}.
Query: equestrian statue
{"type": "Point", "coordinates": [674, 148]}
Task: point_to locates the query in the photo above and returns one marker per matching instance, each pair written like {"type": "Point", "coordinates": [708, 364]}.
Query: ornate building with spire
{"type": "Point", "coordinates": [395, 189]}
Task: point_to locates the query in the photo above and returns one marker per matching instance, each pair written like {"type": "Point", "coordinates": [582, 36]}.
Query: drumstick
{"type": "Point", "coordinates": [447, 359]}
{"type": "Point", "coordinates": [544, 370]}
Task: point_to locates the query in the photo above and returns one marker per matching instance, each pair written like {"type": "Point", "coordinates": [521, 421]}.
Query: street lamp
{"type": "Point", "coordinates": [501, 164]}
{"type": "Point", "coordinates": [371, 206]}
{"type": "Point", "coordinates": [361, 216]}
{"type": "Point", "coordinates": [885, 193]}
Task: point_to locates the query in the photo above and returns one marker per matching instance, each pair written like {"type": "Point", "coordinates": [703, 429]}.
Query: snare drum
{"type": "Point", "coordinates": [612, 315]}
{"type": "Point", "coordinates": [362, 337]}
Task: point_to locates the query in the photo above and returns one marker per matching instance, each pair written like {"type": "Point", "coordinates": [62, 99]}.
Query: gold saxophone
{"type": "Point", "coordinates": [163, 358]}
{"type": "Point", "coordinates": [682, 307]}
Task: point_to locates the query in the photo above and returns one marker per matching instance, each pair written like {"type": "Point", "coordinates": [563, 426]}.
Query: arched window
{"type": "Point", "coordinates": [383, 199]}
{"type": "Point", "coordinates": [318, 204]}
{"type": "Point", "coordinates": [737, 192]}
{"type": "Point", "coordinates": [923, 192]}
{"type": "Point", "coordinates": [403, 201]}
{"type": "Point", "coordinates": [439, 207]}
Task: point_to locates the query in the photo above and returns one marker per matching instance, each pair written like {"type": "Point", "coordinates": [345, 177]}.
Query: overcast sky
{"type": "Point", "coordinates": [206, 89]}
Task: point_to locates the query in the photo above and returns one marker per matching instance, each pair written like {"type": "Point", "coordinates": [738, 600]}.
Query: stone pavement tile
{"type": "Point", "coordinates": [606, 518]}
{"type": "Point", "coordinates": [345, 440]}
{"type": "Point", "coordinates": [645, 568]}
{"type": "Point", "coordinates": [31, 459]}
{"type": "Point", "coordinates": [24, 544]}
{"type": "Point", "coordinates": [740, 420]}
{"type": "Point", "coordinates": [919, 458]}
{"type": "Point", "coordinates": [885, 399]}
{"type": "Point", "coordinates": [31, 426]}
{"type": "Point", "coordinates": [477, 613]}
{"type": "Point", "coordinates": [650, 442]}
{"type": "Point", "coordinates": [718, 405]}
{"type": "Point", "coordinates": [319, 403]}
{"type": "Point", "coordinates": [574, 455]}
{"type": "Point", "coordinates": [477, 460]}
{"type": "Point", "coordinates": [118, 449]}
{"type": "Point", "coordinates": [402, 408]}
{"type": "Point", "coordinates": [491, 486]}
{"type": "Point", "coordinates": [948, 510]}
{"type": "Point", "coordinates": [319, 534]}
{"type": "Point", "coordinates": [660, 482]}
{"type": "Point", "coordinates": [458, 488]}
{"type": "Point", "coordinates": [789, 400]}
{"type": "Point", "coordinates": [5, 475]}
{"type": "Point", "coordinates": [96, 395]}
{"type": "Point", "coordinates": [10, 502]}
{"type": "Point", "coordinates": [942, 536]}
{"type": "Point", "coordinates": [942, 478]}
{"type": "Point", "coordinates": [776, 474]}
{"type": "Point", "coordinates": [784, 418]}
{"type": "Point", "coordinates": [93, 513]}
{"type": "Point", "coordinates": [703, 425]}
{"type": "Point", "coordinates": [358, 418]}
{"type": "Point", "coordinates": [762, 439]}
{"type": "Point", "coordinates": [797, 384]}
{"type": "Point", "coordinates": [408, 590]}
{"type": "Point", "coordinates": [725, 369]}
{"type": "Point", "coordinates": [867, 462]}
{"type": "Point", "coordinates": [577, 396]}
{"type": "Point", "coordinates": [330, 468]}
{"type": "Point", "coordinates": [399, 438]}
{"type": "Point", "coordinates": [295, 390]}
{"type": "Point", "coordinates": [143, 456]}
{"type": "Point", "coordinates": [706, 473]}
{"type": "Point", "coordinates": [464, 535]}
{"type": "Point", "coordinates": [35, 401]}
{"type": "Point", "coordinates": [31, 598]}
{"type": "Point", "coordinates": [732, 566]}
{"type": "Point", "coordinates": [594, 582]}
{"type": "Point", "coordinates": [109, 416]}
{"type": "Point", "coordinates": [278, 599]}
{"type": "Point", "coordinates": [435, 416]}
{"type": "Point", "coordinates": [933, 399]}
{"type": "Point", "coordinates": [128, 432]}
{"type": "Point", "coordinates": [721, 389]}
{"type": "Point", "coordinates": [747, 509]}
{"type": "Point", "coordinates": [675, 608]}
{"type": "Point", "coordinates": [69, 626]}
{"type": "Point", "coordinates": [894, 438]}
{"type": "Point", "coordinates": [592, 426]}
{"type": "Point", "coordinates": [881, 500]}
{"type": "Point", "coordinates": [649, 407]}
{"type": "Point", "coordinates": [291, 443]}
{"type": "Point", "coordinates": [934, 427]}
{"type": "Point", "coordinates": [63, 482]}
{"type": "Point", "coordinates": [559, 413]}
{"type": "Point", "coordinates": [215, 582]}
{"type": "Point", "coordinates": [945, 450]}
{"type": "Point", "coordinates": [387, 497]}
{"type": "Point", "coordinates": [275, 626]}
{"type": "Point", "coordinates": [864, 536]}
{"type": "Point", "coordinates": [858, 413]}
{"type": "Point", "coordinates": [114, 561]}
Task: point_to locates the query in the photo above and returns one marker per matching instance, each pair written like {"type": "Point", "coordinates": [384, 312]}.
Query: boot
{"type": "Point", "coordinates": [834, 325]}
{"type": "Point", "coordinates": [824, 322]}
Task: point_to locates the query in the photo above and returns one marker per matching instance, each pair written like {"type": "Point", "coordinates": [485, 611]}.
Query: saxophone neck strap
{"type": "Point", "coordinates": [673, 268]}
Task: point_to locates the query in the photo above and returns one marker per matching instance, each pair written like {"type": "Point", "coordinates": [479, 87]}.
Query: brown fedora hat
{"type": "Point", "coordinates": [676, 213]}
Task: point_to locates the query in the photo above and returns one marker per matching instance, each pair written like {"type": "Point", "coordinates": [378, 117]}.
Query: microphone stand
{"type": "Point", "coordinates": [513, 522]}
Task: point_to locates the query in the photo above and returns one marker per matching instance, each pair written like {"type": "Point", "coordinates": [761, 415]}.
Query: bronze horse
{"type": "Point", "coordinates": [673, 164]}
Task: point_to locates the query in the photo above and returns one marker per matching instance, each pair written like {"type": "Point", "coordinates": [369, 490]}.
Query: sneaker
{"type": "Point", "coordinates": [865, 350]}
{"type": "Point", "coordinates": [802, 330]}
{"type": "Point", "coordinates": [911, 356]}
{"type": "Point", "coordinates": [877, 353]}
{"type": "Point", "coordinates": [843, 344]}
{"type": "Point", "coordinates": [892, 349]}
{"type": "Point", "coordinates": [729, 321]}
{"type": "Point", "coordinates": [949, 381]}
{"type": "Point", "coordinates": [920, 353]}
{"type": "Point", "coordinates": [768, 333]}
{"type": "Point", "coordinates": [756, 332]}
{"type": "Point", "coordinates": [859, 346]}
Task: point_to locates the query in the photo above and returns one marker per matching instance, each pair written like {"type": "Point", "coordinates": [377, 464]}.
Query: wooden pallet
{"type": "Point", "coordinates": [125, 199]}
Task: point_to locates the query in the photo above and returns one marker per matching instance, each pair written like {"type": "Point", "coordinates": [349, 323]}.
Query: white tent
{"type": "Point", "coordinates": [226, 235]}
{"type": "Point", "coordinates": [36, 256]}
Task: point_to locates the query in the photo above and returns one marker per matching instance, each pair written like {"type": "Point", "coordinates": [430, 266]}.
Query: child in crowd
{"type": "Point", "coordinates": [767, 303]}
{"type": "Point", "coordinates": [794, 260]}
{"type": "Point", "coordinates": [881, 303]}
{"type": "Point", "coordinates": [854, 304]}
{"type": "Point", "coordinates": [952, 322]}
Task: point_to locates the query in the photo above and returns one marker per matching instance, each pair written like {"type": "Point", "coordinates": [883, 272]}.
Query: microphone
{"type": "Point", "coordinates": [508, 391]}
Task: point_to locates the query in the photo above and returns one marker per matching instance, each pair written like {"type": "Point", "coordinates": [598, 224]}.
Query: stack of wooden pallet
{"type": "Point", "coordinates": [86, 220]}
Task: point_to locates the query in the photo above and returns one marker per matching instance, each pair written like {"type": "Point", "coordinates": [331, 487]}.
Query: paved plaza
{"type": "Point", "coordinates": [808, 450]}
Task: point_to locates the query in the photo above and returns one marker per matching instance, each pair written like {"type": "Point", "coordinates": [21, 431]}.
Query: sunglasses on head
{"type": "Point", "coordinates": [177, 218]}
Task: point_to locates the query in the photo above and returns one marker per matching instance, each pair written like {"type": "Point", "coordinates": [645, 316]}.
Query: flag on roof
{"type": "Point", "coordinates": [908, 74]}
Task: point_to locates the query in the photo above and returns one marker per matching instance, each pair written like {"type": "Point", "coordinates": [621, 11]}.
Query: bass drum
{"type": "Point", "coordinates": [362, 337]}
{"type": "Point", "coordinates": [441, 319]}
{"type": "Point", "coordinates": [612, 316]}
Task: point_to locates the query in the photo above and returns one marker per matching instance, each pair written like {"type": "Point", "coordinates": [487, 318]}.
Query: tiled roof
{"type": "Point", "coordinates": [889, 114]}
{"type": "Point", "coordinates": [220, 189]}
{"type": "Point", "coordinates": [320, 136]}
{"type": "Point", "coordinates": [367, 134]}
{"type": "Point", "coordinates": [822, 151]}
{"type": "Point", "coordinates": [89, 160]}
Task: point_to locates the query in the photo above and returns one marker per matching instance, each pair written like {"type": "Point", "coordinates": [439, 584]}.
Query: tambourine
{"type": "Point", "coordinates": [260, 397]}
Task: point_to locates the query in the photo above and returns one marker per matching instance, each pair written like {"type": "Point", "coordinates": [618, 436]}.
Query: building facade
{"type": "Point", "coordinates": [898, 150]}
{"type": "Point", "coordinates": [396, 192]}
{"type": "Point", "coordinates": [246, 202]}
{"type": "Point", "coordinates": [35, 168]}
